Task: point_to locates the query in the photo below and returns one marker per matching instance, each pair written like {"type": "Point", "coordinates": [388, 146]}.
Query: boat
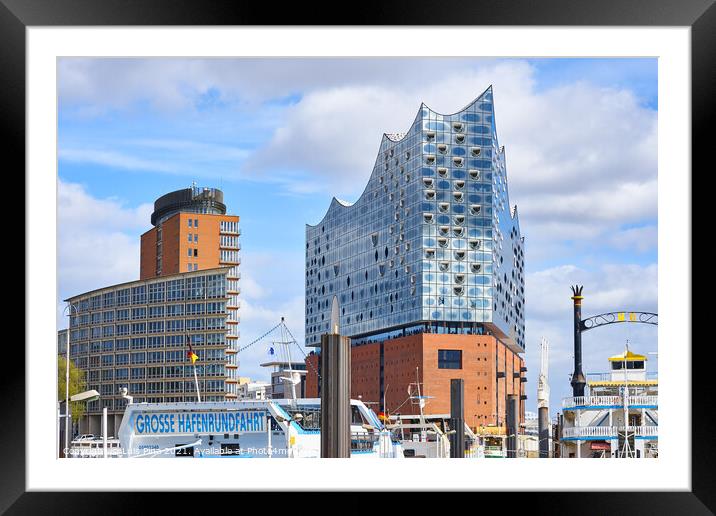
{"type": "Point", "coordinates": [91, 448]}
{"type": "Point", "coordinates": [271, 428]}
{"type": "Point", "coordinates": [427, 436]}
{"type": "Point", "coordinates": [618, 417]}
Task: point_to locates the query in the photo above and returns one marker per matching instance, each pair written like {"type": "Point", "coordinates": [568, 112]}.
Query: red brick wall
{"type": "Point", "coordinates": [175, 244]}
{"type": "Point", "coordinates": [148, 254]}
{"type": "Point", "coordinates": [365, 373]}
{"type": "Point", "coordinates": [312, 367]}
{"type": "Point", "coordinates": [482, 357]}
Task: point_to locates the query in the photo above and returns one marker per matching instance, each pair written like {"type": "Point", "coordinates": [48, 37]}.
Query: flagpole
{"type": "Point", "coordinates": [193, 357]}
{"type": "Point", "coordinates": [196, 382]}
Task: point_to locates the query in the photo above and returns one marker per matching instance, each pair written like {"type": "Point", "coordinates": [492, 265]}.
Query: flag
{"type": "Point", "coordinates": [270, 351]}
{"type": "Point", "coordinates": [192, 356]}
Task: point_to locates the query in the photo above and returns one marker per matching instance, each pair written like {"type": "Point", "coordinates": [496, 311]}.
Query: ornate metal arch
{"type": "Point", "coordinates": [618, 317]}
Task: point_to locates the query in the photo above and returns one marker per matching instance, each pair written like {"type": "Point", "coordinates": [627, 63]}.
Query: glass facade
{"type": "Point", "coordinates": [431, 241]}
{"type": "Point", "coordinates": [144, 346]}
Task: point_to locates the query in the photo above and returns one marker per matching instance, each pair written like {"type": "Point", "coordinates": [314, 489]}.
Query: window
{"type": "Point", "coordinates": [123, 297]}
{"type": "Point", "coordinates": [155, 342]}
{"type": "Point", "coordinates": [155, 327]}
{"type": "Point", "coordinates": [175, 290]}
{"type": "Point", "coordinates": [449, 359]}
{"type": "Point", "coordinates": [175, 325]}
{"type": "Point", "coordinates": [196, 238]}
{"type": "Point", "coordinates": [175, 310]}
{"type": "Point", "coordinates": [188, 252]}
{"type": "Point", "coordinates": [191, 222]}
{"type": "Point", "coordinates": [195, 287]}
{"type": "Point", "coordinates": [139, 295]}
{"type": "Point", "coordinates": [108, 299]}
{"type": "Point", "coordinates": [195, 308]}
{"type": "Point", "coordinates": [196, 223]}
{"type": "Point", "coordinates": [156, 292]}
{"type": "Point", "coordinates": [215, 286]}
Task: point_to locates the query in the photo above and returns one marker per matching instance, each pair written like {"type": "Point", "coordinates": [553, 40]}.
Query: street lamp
{"type": "Point", "coordinates": [67, 376]}
{"type": "Point", "coordinates": [87, 396]}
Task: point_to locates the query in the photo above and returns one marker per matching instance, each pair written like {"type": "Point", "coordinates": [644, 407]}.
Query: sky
{"type": "Point", "coordinates": [281, 137]}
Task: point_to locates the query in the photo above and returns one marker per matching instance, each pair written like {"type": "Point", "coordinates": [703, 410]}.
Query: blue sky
{"type": "Point", "coordinates": [280, 137]}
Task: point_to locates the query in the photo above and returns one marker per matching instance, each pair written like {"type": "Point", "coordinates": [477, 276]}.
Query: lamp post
{"type": "Point", "coordinates": [67, 378]}
{"type": "Point", "coordinates": [88, 396]}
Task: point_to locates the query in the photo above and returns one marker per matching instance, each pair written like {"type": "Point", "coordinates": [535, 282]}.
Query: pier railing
{"type": "Point", "coordinates": [605, 377]}
{"type": "Point", "coordinates": [610, 431]}
{"type": "Point", "coordinates": [608, 401]}
{"type": "Point", "coordinates": [363, 441]}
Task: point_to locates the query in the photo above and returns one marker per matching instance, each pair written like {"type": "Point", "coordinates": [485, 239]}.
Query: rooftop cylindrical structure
{"type": "Point", "coordinates": [192, 200]}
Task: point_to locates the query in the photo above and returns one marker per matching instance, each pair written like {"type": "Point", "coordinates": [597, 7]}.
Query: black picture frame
{"type": "Point", "coordinates": [17, 15]}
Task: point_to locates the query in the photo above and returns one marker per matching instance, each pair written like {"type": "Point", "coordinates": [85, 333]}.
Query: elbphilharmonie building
{"type": "Point", "coordinates": [432, 244]}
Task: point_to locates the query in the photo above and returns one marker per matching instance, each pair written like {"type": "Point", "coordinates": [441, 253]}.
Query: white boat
{"type": "Point", "coordinates": [92, 448]}
{"type": "Point", "coordinates": [279, 428]}
{"type": "Point", "coordinates": [427, 436]}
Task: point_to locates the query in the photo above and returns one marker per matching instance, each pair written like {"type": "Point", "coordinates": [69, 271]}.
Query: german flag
{"type": "Point", "coordinates": [192, 356]}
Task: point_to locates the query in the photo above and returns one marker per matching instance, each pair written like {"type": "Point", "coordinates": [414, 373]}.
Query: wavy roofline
{"type": "Point", "coordinates": [346, 204]}
{"type": "Point", "coordinates": [489, 88]}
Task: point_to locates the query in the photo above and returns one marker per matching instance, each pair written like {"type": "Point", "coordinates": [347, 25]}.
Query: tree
{"type": "Point", "coordinates": [78, 384]}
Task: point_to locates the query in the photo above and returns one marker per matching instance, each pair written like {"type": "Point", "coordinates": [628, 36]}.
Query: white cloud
{"type": "Point", "coordinates": [114, 159]}
{"type": "Point", "coordinates": [97, 85]}
{"type": "Point", "coordinates": [641, 239]}
{"type": "Point", "coordinates": [581, 158]}
{"type": "Point", "coordinates": [166, 156]}
{"type": "Point", "coordinates": [98, 240]}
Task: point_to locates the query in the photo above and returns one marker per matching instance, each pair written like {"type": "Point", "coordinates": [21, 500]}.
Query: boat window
{"type": "Point", "coordinates": [357, 417]}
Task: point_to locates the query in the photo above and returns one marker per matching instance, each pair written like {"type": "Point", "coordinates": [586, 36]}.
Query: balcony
{"type": "Point", "coordinates": [607, 432]}
{"type": "Point", "coordinates": [605, 377]}
{"type": "Point", "coordinates": [605, 402]}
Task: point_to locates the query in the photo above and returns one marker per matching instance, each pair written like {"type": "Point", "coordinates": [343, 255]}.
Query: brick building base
{"type": "Point", "coordinates": [382, 373]}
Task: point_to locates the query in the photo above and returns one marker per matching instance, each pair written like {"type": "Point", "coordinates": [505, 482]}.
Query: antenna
{"type": "Point", "coordinates": [543, 380]}
{"type": "Point", "coordinates": [626, 450]}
